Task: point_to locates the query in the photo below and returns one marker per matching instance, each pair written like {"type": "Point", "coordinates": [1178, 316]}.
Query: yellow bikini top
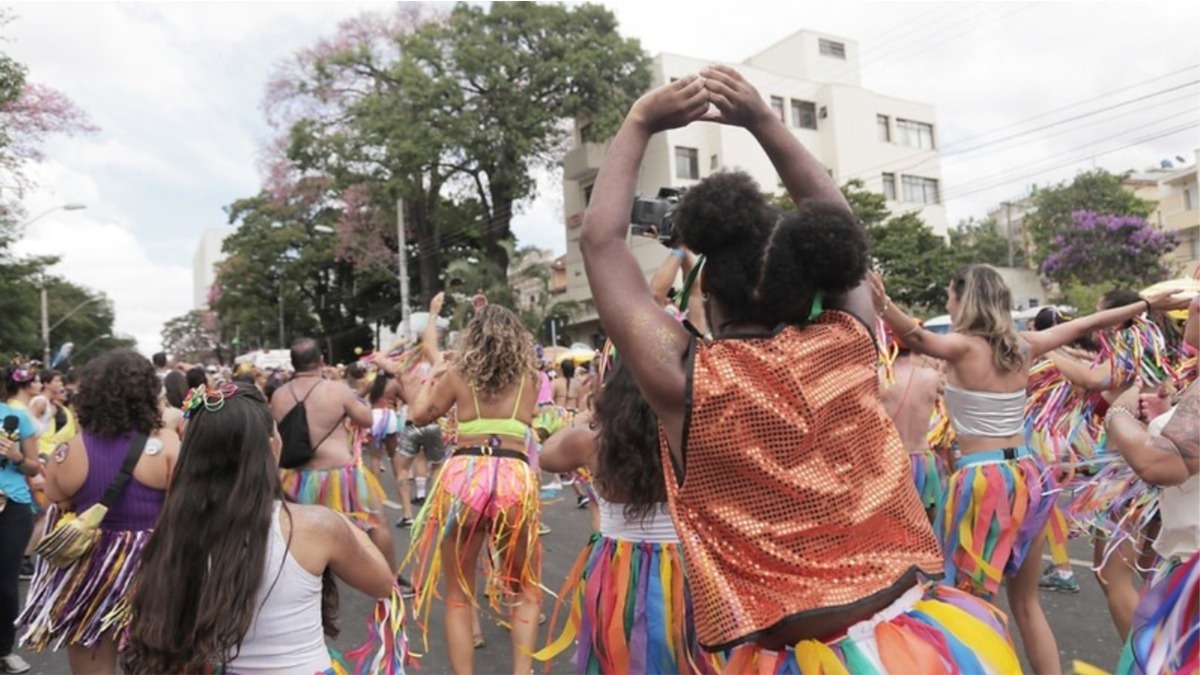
{"type": "Point", "coordinates": [484, 426]}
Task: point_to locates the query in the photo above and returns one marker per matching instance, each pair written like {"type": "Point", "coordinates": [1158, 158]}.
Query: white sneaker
{"type": "Point", "coordinates": [13, 664]}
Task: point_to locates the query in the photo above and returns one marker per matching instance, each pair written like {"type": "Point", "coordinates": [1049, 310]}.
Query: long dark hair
{"type": "Point", "coordinates": [630, 465]}
{"type": "Point", "coordinates": [118, 394]}
{"type": "Point", "coordinates": [379, 386]}
{"type": "Point", "coordinates": [195, 591]}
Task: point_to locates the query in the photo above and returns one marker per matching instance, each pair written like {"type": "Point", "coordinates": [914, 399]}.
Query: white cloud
{"type": "Point", "coordinates": [99, 251]}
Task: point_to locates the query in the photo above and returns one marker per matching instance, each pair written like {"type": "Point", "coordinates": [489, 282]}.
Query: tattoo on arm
{"type": "Point", "coordinates": [1183, 431]}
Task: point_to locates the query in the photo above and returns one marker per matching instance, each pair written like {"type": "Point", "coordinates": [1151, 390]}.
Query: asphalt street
{"type": "Point", "coordinates": [1080, 621]}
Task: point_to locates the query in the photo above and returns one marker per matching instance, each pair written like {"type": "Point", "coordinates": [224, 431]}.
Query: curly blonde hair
{"type": "Point", "coordinates": [495, 351]}
{"type": "Point", "coordinates": [985, 310]}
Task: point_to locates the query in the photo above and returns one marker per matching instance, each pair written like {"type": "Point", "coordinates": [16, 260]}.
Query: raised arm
{"type": "Point", "coordinates": [654, 344]}
{"type": "Point", "coordinates": [664, 276]}
{"type": "Point", "coordinates": [1082, 375]}
{"type": "Point", "coordinates": [951, 347]}
{"type": "Point", "coordinates": [1065, 333]}
{"type": "Point", "coordinates": [429, 339]}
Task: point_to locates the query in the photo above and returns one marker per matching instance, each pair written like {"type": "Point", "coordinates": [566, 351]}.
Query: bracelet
{"type": "Point", "coordinates": [1148, 306]}
{"type": "Point", "coordinates": [678, 253]}
{"type": "Point", "coordinates": [1118, 409]}
{"type": "Point", "coordinates": [916, 327]}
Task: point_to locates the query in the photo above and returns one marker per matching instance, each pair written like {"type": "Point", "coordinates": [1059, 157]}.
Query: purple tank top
{"type": "Point", "coordinates": [137, 507]}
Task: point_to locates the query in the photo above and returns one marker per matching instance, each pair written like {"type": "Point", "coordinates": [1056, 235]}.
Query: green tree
{"type": "Point", "coordinates": [980, 241]}
{"type": "Point", "coordinates": [282, 254]}
{"type": "Point", "coordinates": [194, 337]}
{"type": "Point", "coordinates": [520, 70]}
{"type": "Point", "coordinates": [916, 262]}
{"type": "Point", "coordinates": [1098, 191]}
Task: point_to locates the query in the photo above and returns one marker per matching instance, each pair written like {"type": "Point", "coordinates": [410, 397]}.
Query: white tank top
{"type": "Point", "coordinates": [1179, 536]}
{"type": "Point", "coordinates": [656, 527]}
{"type": "Point", "coordinates": [286, 634]}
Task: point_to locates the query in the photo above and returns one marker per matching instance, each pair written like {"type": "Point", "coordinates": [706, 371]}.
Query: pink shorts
{"type": "Point", "coordinates": [488, 485]}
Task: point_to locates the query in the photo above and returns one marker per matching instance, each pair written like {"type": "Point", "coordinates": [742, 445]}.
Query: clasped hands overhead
{"type": "Point", "coordinates": [717, 94]}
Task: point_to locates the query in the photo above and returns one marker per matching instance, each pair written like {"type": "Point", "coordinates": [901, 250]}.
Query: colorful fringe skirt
{"type": "Point", "coordinates": [997, 504]}
{"type": "Point", "coordinates": [928, 630]}
{"type": "Point", "coordinates": [475, 495]}
{"type": "Point", "coordinates": [1166, 625]}
{"type": "Point", "coordinates": [629, 610]}
{"type": "Point", "coordinates": [929, 475]}
{"type": "Point", "coordinates": [350, 490]}
{"type": "Point", "coordinates": [87, 601]}
{"type": "Point", "coordinates": [1114, 506]}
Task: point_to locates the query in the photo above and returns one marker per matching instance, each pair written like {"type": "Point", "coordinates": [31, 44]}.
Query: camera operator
{"type": "Point", "coordinates": [678, 259]}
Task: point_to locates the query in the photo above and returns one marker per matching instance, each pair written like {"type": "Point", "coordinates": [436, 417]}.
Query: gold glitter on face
{"type": "Point", "coordinates": [797, 491]}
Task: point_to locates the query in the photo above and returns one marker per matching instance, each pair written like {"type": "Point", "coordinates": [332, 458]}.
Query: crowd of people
{"type": "Point", "coordinates": [786, 472]}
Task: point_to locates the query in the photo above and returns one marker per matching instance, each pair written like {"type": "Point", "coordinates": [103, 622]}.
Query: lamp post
{"type": "Point", "coordinates": [402, 254]}
{"type": "Point", "coordinates": [63, 207]}
{"type": "Point", "coordinates": [46, 327]}
{"type": "Point", "coordinates": [45, 301]}
{"type": "Point", "coordinates": [288, 255]}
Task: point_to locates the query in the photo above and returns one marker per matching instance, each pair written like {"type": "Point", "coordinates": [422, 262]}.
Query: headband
{"type": "Point", "coordinates": [211, 400]}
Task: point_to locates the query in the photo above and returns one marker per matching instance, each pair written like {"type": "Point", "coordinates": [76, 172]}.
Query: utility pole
{"type": "Point", "coordinates": [1009, 236]}
{"type": "Point", "coordinates": [281, 344]}
{"type": "Point", "coordinates": [45, 325]}
{"type": "Point", "coordinates": [402, 254]}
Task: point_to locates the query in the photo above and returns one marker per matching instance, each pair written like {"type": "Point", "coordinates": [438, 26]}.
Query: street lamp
{"type": "Point", "coordinates": [46, 328]}
{"type": "Point", "coordinates": [64, 207]}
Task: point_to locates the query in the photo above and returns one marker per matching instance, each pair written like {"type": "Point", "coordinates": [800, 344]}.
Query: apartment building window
{"type": "Point", "coordinates": [885, 129]}
{"type": "Point", "coordinates": [777, 106]}
{"type": "Point", "coordinates": [804, 114]}
{"type": "Point", "coordinates": [687, 163]}
{"type": "Point", "coordinates": [1188, 205]}
{"type": "Point", "coordinates": [915, 134]}
{"type": "Point", "coordinates": [587, 194]}
{"type": "Point", "coordinates": [889, 186]}
{"type": "Point", "coordinates": [713, 163]}
{"type": "Point", "coordinates": [920, 190]}
{"type": "Point", "coordinates": [830, 48]}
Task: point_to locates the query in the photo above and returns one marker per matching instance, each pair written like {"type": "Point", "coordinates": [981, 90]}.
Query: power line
{"type": "Point", "coordinates": [958, 194]}
{"type": "Point", "coordinates": [1071, 119]}
{"type": "Point", "coordinates": [896, 165]}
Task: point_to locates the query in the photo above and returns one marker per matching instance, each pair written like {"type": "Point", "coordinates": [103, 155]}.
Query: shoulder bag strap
{"type": "Point", "coordinates": [118, 485]}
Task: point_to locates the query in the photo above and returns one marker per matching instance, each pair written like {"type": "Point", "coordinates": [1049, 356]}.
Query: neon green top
{"type": "Point", "coordinates": [484, 426]}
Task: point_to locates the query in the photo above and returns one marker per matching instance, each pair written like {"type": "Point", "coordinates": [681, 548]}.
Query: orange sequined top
{"type": "Point", "coordinates": [797, 493]}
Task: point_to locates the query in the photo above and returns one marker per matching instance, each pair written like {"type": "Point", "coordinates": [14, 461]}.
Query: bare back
{"type": "Point", "coordinates": [976, 371]}
{"type": "Point", "coordinates": [910, 401]}
{"type": "Point", "coordinates": [327, 404]}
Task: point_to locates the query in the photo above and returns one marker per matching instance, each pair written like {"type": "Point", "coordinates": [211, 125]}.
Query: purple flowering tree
{"type": "Point", "coordinates": [1113, 250]}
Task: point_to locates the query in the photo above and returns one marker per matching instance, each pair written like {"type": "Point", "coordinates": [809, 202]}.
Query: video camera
{"type": "Point", "coordinates": [656, 217]}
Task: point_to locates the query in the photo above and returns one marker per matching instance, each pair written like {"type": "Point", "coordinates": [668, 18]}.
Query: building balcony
{"type": "Point", "coordinates": [583, 161]}
{"type": "Point", "coordinates": [1181, 219]}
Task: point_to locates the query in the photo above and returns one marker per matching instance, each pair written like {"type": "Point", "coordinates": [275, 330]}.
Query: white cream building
{"type": "Point", "coordinates": [813, 82]}
{"type": "Point", "coordinates": [204, 264]}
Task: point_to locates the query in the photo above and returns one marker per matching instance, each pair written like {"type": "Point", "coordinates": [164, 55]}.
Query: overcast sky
{"type": "Point", "coordinates": [176, 91]}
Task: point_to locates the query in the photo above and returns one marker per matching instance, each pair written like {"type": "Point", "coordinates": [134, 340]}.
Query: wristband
{"type": "Point", "coordinates": [1118, 409]}
{"type": "Point", "coordinates": [916, 327]}
{"type": "Point", "coordinates": [1148, 307]}
{"type": "Point", "coordinates": [678, 253]}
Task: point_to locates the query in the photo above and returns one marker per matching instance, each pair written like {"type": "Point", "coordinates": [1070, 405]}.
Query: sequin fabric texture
{"type": "Point", "coordinates": [797, 492]}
